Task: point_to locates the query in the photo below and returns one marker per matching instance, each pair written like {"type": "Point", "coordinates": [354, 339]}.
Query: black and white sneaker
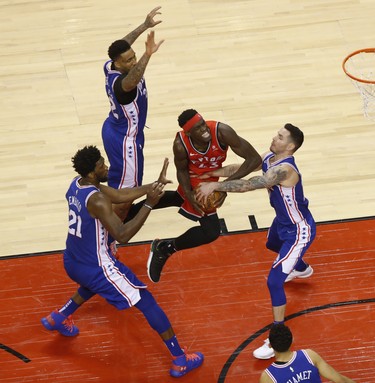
{"type": "Point", "coordinates": [156, 260]}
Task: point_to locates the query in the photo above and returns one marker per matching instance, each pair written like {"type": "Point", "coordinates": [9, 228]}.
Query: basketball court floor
{"type": "Point", "coordinates": [254, 65]}
{"type": "Point", "coordinates": [217, 300]}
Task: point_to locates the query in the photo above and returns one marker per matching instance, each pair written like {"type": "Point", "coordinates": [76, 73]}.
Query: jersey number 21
{"type": "Point", "coordinates": [75, 223]}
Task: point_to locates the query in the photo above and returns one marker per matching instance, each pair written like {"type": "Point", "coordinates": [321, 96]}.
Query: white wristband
{"type": "Point", "coordinates": [148, 206]}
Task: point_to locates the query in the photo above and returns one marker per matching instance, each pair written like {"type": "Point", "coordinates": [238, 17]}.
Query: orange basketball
{"type": "Point", "coordinates": [209, 205]}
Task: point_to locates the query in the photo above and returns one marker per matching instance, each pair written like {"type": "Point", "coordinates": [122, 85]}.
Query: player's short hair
{"type": "Point", "coordinates": [117, 48]}
{"type": "Point", "coordinates": [280, 337]}
{"type": "Point", "coordinates": [296, 135]}
{"type": "Point", "coordinates": [185, 116]}
{"type": "Point", "coordinates": [84, 161]}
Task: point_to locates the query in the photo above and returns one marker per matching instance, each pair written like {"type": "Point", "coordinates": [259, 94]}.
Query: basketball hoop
{"type": "Point", "coordinates": [359, 66]}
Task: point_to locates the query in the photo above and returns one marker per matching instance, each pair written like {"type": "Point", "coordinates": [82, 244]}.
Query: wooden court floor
{"type": "Point", "coordinates": [217, 300]}
{"type": "Point", "coordinates": [254, 65]}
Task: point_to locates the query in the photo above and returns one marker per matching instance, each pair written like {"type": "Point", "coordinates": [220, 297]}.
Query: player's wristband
{"type": "Point", "coordinates": [148, 206]}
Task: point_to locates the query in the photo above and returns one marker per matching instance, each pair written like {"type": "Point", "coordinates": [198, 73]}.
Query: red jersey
{"type": "Point", "coordinates": [201, 162]}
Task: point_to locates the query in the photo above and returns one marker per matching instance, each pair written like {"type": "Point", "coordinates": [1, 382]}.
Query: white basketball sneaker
{"type": "Point", "coordinates": [265, 351]}
{"type": "Point", "coordinates": [300, 274]}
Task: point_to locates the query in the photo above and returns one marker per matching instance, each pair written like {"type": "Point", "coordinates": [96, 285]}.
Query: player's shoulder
{"type": "Point", "coordinates": [225, 133]}
{"type": "Point", "coordinates": [107, 66]}
{"type": "Point", "coordinates": [97, 197]}
{"type": "Point", "coordinates": [178, 140]}
{"type": "Point", "coordinates": [312, 355]}
{"type": "Point", "coordinates": [266, 155]}
{"type": "Point", "coordinates": [310, 352]}
{"type": "Point", "coordinates": [222, 126]}
{"type": "Point", "coordinates": [179, 146]}
{"type": "Point", "coordinates": [264, 378]}
{"type": "Point", "coordinates": [212, 123]}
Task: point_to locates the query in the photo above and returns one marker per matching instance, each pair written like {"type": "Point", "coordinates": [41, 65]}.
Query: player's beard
{"type": "Point", "coordinates": [104, 178]}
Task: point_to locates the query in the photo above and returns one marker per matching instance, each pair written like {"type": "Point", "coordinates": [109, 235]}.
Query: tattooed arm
{"type": "Point", "coordinates": [130, 194]}
{"type": "Point", "coordinates": [148, 23]}
{"type": "Point", "coordinates": [276, 175]}
{"type": "Point", "coordinates": [131, 80]}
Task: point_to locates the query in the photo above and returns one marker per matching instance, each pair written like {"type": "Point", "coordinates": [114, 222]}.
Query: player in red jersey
{"type": "Point", "coordinates": [199, 148]}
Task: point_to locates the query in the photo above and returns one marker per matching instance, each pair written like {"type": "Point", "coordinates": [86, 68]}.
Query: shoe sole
{"type": "Point", "coordinates": [264, 358]}
{"type": "Point", "coordinates": [46, 324]}
{"type": "Point", "coordinates": [301, 276]}
{"type": "Point", "coordinates": [175, 374]}
{"type": "Point", "coordinates": [49, 327]}
{"type": "Point", "coordinates": [149, 261]}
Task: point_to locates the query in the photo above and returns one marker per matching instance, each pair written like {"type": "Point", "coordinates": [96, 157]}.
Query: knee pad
{"type": "Point", "coordinates": [211, 227]}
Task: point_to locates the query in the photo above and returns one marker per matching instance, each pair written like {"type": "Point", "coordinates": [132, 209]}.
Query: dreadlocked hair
{"type": "Point", "coordinates": [84, 161]}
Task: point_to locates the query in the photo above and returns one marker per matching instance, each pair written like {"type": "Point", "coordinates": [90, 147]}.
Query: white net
{"type": "Point", "coordinates": [360, 68]}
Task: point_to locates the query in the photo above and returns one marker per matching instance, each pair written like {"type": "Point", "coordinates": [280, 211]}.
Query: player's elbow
{"type": "Point", "coordinates": [123, 238]}
{"type": "Point", "coordinates": [254, 162]}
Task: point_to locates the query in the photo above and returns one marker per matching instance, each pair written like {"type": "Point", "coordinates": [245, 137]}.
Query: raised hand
{"type": "Point", "coordinates": [151, 46]}
{"type": "Point", "coordinates": [150, 22]}
{"type": "Point", "coordinates": [163, 174]}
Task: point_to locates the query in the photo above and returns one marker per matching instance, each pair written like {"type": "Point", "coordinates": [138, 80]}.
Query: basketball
{"type": "Point", "coordinates": [209, 205]}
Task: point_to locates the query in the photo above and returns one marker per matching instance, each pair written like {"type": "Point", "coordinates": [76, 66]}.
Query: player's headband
{"type": "Point", "coordinates": [190, 123]}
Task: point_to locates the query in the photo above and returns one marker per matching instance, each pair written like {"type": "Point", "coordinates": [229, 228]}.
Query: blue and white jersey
{"type": "Point", "coordinates": [290, 204]}
{"type": "Point", "coordinates": [87, 240]}
{"type": "Point", "coordinates": [299, 369]}
{"type": "Point", "coordinates": [129, 119]}
{"type": "Point", "coordinates": [88, 259]}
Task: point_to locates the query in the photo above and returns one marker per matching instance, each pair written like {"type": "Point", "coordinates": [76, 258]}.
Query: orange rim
{"type": "Point", "coordinates": [364, 50]}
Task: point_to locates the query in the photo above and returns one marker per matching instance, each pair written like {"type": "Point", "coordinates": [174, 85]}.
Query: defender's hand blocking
{"type": "Point", "coordinates": [149, 21]}
{"type": "Point", "coordinates": [203, 190]}
{"type": "Point", "coordinates": [154, 194]}
{"type": "Point", "coordinates": [163, 174]}
{"type": "Point", "coordinates": [213, 201]}
{"type": "Point", "coordinates": [208, 198]}
{"type": "Point", "coordinates": [151, 46]}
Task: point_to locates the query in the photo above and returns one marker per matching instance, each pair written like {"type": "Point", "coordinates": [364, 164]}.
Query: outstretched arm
{"type": "Point", "coordinates": [100, 207]}
{"type": "Point", "coordinates": [124, 195]}
{"type": "Point", "coordinates": [326, 370]}
{"type": "Point", "coordinates": [131, 80]}
{"type": "Point", "coordinates": [252, 159]}
{"type": "Point", "coordinates": [274, 176]}
{"type": "Point", "coordinates": [225, 171]}
{"type": "Point", "coordinates": [148, 23]}
{"type": "Point", "coordinates": [131, 194]}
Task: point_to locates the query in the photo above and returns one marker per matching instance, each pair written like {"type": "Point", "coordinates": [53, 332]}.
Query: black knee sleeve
{"type": "Point", "coordinates": [211, 227]}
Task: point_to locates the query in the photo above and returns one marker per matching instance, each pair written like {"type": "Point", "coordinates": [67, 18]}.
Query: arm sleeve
{"type": "Point", "coordinates": [124, 98]}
